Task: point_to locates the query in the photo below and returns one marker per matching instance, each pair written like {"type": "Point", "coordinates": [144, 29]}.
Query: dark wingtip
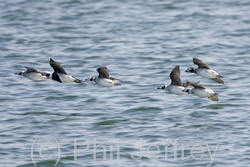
{"type": "Point", "coordinates": [101, 68]}
{"type": "Point", "coordinates": [77, 81]}
{"type": "Point", "coordinates": [51, 60]}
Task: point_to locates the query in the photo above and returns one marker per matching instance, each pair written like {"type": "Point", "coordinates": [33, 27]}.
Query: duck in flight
{"type": "Point", "coordinates": [104, 79]}
{"type": "Point", "coordinates": [202, 92]}
{"type": "Point", "coordinates": [33, 74]}
{"type": "Point", "coordinates": [176, 86]}
{"type": "Point", "coordinates": [60, 74]}
{"type": "Point", "coordinates": [204, 71]}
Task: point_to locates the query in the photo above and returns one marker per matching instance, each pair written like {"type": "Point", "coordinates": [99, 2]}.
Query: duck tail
{"type": "Point", "coordinates": [76, 80]}
{"type": "Point", "coordinates": [116, 83]}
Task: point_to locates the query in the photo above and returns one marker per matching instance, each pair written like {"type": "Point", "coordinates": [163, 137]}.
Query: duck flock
{"type": "Point", "coordinates": [104, 80]}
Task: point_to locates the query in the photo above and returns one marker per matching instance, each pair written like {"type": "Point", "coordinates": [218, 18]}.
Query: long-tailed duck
{"type": "Point", "coordinates": [60, 74]}
{"type": "Point", "coordinates": [202, 92]}
{"type": "Point", "coordinates": [204, 71]}
{"type": "Point", "coordinates": [176, 86]}
{"type": "Point", "coordinates": [33, 74]}
{"type": "Point", "coordinates": [103, 79]}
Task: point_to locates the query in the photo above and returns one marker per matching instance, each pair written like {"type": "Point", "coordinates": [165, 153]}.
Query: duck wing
{"type": "Point", "coordinates": [175, 76]}
{"type": "Point", "coordinates": [103, 72]}
{"type": "Point", "coordinates": [200, 64]}
{"type": "Point", "coordinates": [57, 67]}
{"type": "Point", "coordinates": [195, 85]}
{"type": "Point", "coordinates": [186, 84]}
{"type": "Point", "coordinates": [29, 70]}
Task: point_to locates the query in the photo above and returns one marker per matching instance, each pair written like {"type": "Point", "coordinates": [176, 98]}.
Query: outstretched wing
{"type": "Point", "coordinates": [29, 69]}
{"type": "Point", "coordinates": [200, 64]}
{"type": "Point", "coordinates": [186, 84]}
{"type": "Point", "coordinates": [175, 76]}
{"type": "Point", "coordinates": [57, 67]}
{"type": "Point", "coordinates": [103, 72]}
{"type": "Point", "coordinates": [195, 85]}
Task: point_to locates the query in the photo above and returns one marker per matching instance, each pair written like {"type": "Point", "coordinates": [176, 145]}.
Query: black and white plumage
{"type": "Point", "coordinates": [204, 71]}
{"type": "Point", "coordinates": [33, 74]}
{"type": "Point", "coordinates": [104, 79]}
{"type": "Point", "coordinates": [60, 75]}
{"type": "Point", "coordinates": [202, 92]}
{"type": "Point", "coordinates": [176, 86]}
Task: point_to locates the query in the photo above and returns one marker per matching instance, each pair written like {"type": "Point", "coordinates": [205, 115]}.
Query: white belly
{"type": "Point", "coordinates": [207, 73]}
{"type": "Point", "coordinates": [178, 90]}
{"type": "Point", "coordinates": [203, 92]}
{"type": "Point", "coordinates": [65, 78]}
{"type": "Point", "coordinates": [34, 76]}
{"type": "Point", "coordinates": [105, 82]}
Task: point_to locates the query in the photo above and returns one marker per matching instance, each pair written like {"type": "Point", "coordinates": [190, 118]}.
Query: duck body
{"type": "Point", "coordinates": [176, 86]}
{"type": "Point", "coordinates": [60, 74]}
{"type": "Point", "coordinates": [105, 82]}
{"type": "Point", "coordinates": [33, 74]}
{"type": "Point", "coordinates": [178, 90]}
{"type": "Point", "coordinates": [202, 92]}
{"type": "Point", "coordinates": [103, 79]}
{"type": "Point", "coordinates": [64, 78]}
{"type": "Point", "coordinates": [205, 71]}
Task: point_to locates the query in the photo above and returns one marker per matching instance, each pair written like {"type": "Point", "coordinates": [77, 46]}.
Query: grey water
{"type": "Point", "coordinates": [47, 123]}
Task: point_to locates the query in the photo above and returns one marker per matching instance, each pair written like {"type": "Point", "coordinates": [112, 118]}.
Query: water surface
{"type": "Point", "coordinates": [140, 42]}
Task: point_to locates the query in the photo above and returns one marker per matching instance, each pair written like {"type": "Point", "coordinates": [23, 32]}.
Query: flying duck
{"type": "Point", "coordinates": [202, 92]}
{"type": "Point", "coordinates": [33, 74]}
{"type": "Point", "coordinates": [204, 71]}
{"type": "Point", "coordinates": [104, 79]}
{"type": "Point", "coordinates": [176, 86]}
{"type": "Point", "coordinates": [60, 74]}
